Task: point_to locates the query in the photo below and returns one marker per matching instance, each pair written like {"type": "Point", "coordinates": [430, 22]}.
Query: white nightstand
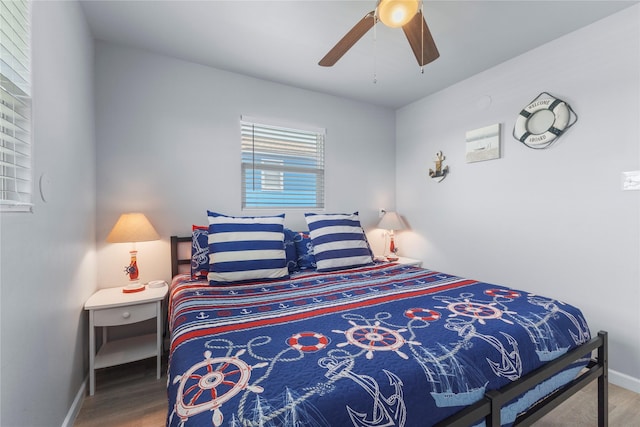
{"type": "Point", "coordinates": [112, 307]}
{"type": "Point", "coordinates": [409, 261]}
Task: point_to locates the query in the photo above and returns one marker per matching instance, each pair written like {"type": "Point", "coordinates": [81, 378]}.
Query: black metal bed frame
{"type": "Point", "coordinates": [488, 408]}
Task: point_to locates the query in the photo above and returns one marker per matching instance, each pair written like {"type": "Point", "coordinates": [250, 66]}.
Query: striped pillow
{"type": "Point", "coordinates": [338, 241]}
{"type": "Point", "coordinates": [246, 248]}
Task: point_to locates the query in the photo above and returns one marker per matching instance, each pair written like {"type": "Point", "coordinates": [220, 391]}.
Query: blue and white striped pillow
{"type": "Point", "coordinates": [246, 248]}
{"type": "Point", "coordinates": [338, 241]}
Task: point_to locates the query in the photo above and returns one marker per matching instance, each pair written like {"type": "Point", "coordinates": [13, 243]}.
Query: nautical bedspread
{"type": "Point", "coordinates": [386, 345]}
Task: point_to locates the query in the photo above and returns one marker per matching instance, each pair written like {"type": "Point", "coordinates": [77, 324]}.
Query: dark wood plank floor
{"type": "Point", "coordinates": [131, 396]}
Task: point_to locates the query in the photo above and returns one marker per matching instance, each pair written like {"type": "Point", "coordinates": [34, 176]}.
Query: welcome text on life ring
{"type": "Point", "coordinates": [561, 114]}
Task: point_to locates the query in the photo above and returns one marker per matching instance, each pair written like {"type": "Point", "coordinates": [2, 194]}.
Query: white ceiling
{"type": "Point", "coordinates": [282, 41]}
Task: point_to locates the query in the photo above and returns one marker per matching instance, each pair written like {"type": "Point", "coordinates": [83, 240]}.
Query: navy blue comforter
{"type": "Point", "coordinates": [386, 345]}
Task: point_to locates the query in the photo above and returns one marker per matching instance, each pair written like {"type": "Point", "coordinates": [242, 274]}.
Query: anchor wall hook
{"type": "Point", "coordinates": [441, 172]}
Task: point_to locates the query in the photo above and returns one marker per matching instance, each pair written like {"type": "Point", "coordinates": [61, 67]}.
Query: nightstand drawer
{"type": "Point", "coordinates": [124, 315]}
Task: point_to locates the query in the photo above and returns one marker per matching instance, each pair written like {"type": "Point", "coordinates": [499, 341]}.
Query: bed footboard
{"type": "Point", "coordinates": [489, 407]}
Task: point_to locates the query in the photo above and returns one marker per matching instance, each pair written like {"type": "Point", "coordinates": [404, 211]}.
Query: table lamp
{"type": "Point", "coordinates": [391, 221]}
{"type": "Point", "coordinates": [132, 228]}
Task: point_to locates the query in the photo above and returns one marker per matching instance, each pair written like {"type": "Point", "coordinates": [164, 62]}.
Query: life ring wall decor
{"type": "Point", "coordinates": [564, 118]}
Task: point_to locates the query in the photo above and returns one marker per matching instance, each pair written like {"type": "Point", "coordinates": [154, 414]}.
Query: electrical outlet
{"type": "Point", "coordinates": [630, 180]}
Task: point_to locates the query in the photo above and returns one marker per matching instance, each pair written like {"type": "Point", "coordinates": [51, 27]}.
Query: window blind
{"type": "Point", "coordinates": [15, 106]}
{"type": "Point", "coordinates": [281, 167]}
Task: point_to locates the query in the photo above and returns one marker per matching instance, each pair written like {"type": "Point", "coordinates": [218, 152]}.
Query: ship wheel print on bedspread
{"type": "Point", "coordinates": [453, 380]}
{"type": "Point", "coordinates": [386, 408]}
{"type": "Point", "coordinates": [478, 309]}
{"type": "Point", "coordinates": [212, 382]}
{"type": "Point", "coordinates": [465, 310]}
{"type": "Point", "coordinates": [374, 337]}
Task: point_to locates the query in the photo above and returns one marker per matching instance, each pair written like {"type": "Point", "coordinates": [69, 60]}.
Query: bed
{"type": "Point", "coordinates": [384, 344]}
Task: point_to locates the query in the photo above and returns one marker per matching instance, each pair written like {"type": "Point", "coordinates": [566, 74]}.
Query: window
{"type": "Point", "coordinates": [15, 106]}
{"type": "Point", "coordinates": [281, 167]}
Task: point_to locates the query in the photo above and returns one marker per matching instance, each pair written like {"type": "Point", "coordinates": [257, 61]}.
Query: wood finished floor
{"type": "Point", "coordinates": [131, 396]}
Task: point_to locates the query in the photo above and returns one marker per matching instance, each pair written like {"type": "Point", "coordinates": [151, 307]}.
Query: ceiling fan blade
{"type": "Point", "coordinates": [420, 39]}
{"type": "Point", "coordinates": [345, 43]}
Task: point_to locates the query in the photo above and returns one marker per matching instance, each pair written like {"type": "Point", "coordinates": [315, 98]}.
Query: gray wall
{"type": "Point", "coordinates": [554, 221]}
{"type": "Point", "coordinates": [168, 138]}
{"type": "Point", "coordinates": [48, 257]}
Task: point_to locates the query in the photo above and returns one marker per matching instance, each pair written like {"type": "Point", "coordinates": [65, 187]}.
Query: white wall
{"type": "Point", "coordinates": [48, 257]}
{"type": "Point", "coordinates": [553, 221]}
{"type": "Point", "coordinates": [169, 145]}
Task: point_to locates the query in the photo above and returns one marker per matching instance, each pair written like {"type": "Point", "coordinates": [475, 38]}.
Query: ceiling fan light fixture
{"type": "Point", "coordinates": [396, 13]}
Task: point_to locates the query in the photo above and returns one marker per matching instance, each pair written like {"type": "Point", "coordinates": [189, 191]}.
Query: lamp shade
{"type": "Point", "coordinates": [396, 13]}
{"type": "Point", "coordinates": [391, 221]}
{"type": "Point", "coordinates": [132, 227]}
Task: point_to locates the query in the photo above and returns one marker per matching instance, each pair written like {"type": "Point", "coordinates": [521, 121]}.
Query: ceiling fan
{"type": "Point", "coordinates": [394, 14]}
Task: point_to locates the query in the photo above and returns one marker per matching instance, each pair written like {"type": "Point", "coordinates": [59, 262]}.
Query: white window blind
{"type": "Point", "coordinates": [281, 167]}
{"type": "Point", "coordinates": [15, 106]}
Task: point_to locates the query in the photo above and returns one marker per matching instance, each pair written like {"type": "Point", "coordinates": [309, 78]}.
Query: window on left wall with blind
{"type": "Point", "coordinates": [16, 173]}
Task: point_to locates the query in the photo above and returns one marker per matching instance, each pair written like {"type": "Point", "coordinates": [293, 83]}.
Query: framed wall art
{"type": "Point", "coordinates": [483, 144]}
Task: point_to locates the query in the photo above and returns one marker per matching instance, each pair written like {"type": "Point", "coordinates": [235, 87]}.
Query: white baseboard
{"type": "Point", "coordinates": [74, 410]}
{"type": "Point", "coordinates": [624, 381]}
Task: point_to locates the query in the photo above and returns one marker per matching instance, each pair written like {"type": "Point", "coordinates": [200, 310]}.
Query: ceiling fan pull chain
{"type": "Point", "coordinates": [375, 51]}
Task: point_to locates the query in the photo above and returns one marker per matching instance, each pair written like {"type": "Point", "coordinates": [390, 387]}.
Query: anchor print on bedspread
{"type": "Point", "coordinates": [410, 360]}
